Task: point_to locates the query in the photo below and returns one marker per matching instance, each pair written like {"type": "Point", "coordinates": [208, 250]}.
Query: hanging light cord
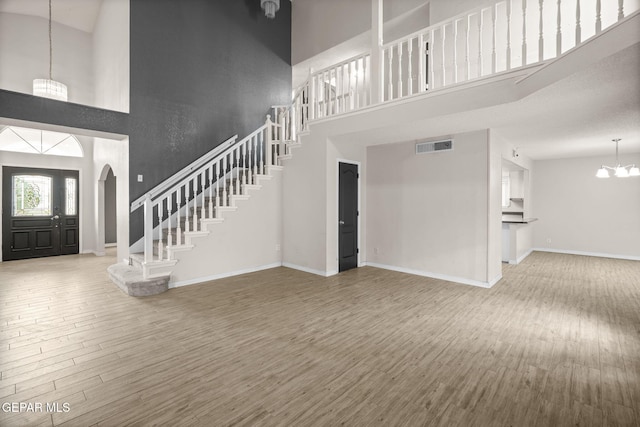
{"type": "Point", "coordinates": [50, 44]}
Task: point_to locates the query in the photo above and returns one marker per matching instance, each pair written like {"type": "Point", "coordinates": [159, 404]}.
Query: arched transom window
{"type": "Point", "coordinates": [36, 141]}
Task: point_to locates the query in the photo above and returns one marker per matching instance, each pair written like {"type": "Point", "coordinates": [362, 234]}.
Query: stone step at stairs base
{"type": "Point", "coordinates": [130, 281]}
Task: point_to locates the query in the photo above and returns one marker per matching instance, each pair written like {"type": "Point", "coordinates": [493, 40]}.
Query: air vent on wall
{"type": "Point", "coordinates": [432, 147]}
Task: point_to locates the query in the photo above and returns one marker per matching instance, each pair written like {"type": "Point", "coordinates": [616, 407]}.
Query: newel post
{"type": "Point", "coordinates": [377, 57]}
{"type": "Point", "coordinates": [148, 229]}
{"type": "Point", "coordinates": [267, 145]}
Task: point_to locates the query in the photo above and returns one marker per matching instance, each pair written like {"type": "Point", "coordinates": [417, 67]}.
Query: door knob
{"type": "Point", "coordinates": [341, 222]}
{"type": "Point", "coordinates": [55, 217]}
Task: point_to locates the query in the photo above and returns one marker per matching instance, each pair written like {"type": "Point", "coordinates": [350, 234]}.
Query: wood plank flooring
{"type": "Point", "coordinates": [555, 343]}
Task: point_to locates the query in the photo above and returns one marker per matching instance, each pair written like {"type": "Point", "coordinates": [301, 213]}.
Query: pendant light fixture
{"type": "Point", "coordinates": [270, 7]}
{"type": "Point", "coordinates": [618, 170]}
{"type": "Point", "coordinates": [50, 88]}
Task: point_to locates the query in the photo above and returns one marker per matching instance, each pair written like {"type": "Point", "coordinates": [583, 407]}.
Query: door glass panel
{"type": "Point", "coordinates": [31, 195]}
{"type": "Point", "coordinates": [70, 185]}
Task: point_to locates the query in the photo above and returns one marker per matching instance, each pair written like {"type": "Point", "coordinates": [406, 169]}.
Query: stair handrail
{"type": "Point", "coordinates": [161, 188]}
{"type": "Point", "coordinates": [196, 194]}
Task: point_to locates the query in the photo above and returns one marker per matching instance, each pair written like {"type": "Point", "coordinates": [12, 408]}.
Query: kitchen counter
{"type": "Point", "coordinates": [518, 221]}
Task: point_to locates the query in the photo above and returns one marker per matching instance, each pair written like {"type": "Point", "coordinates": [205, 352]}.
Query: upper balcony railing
{"type": "Point", "coordinates": [504, 36]}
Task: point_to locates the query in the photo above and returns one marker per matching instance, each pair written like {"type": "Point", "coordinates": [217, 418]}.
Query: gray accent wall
{"type": "Point", "coordinates": [110, 214]}
{"type": "Point", "coordinates": [201, 71]}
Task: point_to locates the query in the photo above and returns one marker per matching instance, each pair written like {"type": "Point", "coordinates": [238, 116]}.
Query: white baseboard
{"type": "Point", "coordinates": [594, 254]}
{"type": "Point", "coordinates": [110, 245]}
{"type": "Point", "coordinates": [495, 280]}
{"type": "Point", "coordinates": [521, 258]}
{"type": "Point", "coordinates": [309, 270]}
{"type": "Point", "coordinates": [448, 278]}
{"type": "Point", "coordinates": [91, 251]}
{"type": "Point", "coordinates": [223, 275]}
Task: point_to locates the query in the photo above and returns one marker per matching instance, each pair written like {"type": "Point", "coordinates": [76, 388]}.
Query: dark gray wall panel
{"type": "Point", "coordinates": [201, 71]}
{"type": "Point", "coordinates": [21, 106]}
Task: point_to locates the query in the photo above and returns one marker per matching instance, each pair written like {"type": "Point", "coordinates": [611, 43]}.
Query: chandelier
{"type": "Point", "coordinates": [270, 7]}
{"type": "Point", "coordinates": [50, 88]}
{"type": "Point", "coordinates": [618, 170]}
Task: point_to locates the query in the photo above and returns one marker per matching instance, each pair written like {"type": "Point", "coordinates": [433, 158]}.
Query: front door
{"type": "Point", "coordinates": [347, 216]}
{"type": "Point", "coordinates": [40, 213]}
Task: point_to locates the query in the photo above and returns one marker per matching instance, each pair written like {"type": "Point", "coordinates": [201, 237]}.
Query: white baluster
{"type": "Point", "coordinates": [524, 32]}
{"type": "Point", "coordinates": [390, 72]}
{"type": "Point", "coordinates": [480, 31]}
{"type": "Point", "coordinates": [238, 187]}
{"type": "Point", "coordinates": [194, 224]}
{"type": "Point", "coordinates": [409, 70]}
{"type": "Point", "coordinates": [366, 88]}
{"type": "Point", "coordinates": [432, 70]}
{"type": "Point", "coordinates": [160, 218]}
{"type": "Point", "coordinates": [211, 192]}
{"type": "Point", "coordinates": [620, 10]}
{"type": "Point", "coordinates": [216, 200]}
{"type": "Point", "coordinates": [559, 30]}
{"type": "Point", "coordinates": [400, 70]}
{"type": "Point", "coordinates": [223, 201]}
{"type": "Point", "coordinates": [494, 58]}
{"type": "Point", "coordinates": [467, 63]}
{"type": "Point", "coordinates": [508, 34]}
{"type": "Point", "coordinates": [578, 26]}
{"type": "Point", "coordinates": [194, 216]}
{"type": "Point", "coordinates": [326, 90]}
{"type": "Point", "coordinates": [422, 72]}
{"type": "Point", "coordinates": [455, 51]}
{"type": "Point", "coordinates": [187, 192]}
{"type": "Point", "coordinates": [330, 93]}
{"type": "Point", "coordinates": [169, 222]}
{"type": "Point", "coordinates": [245, 168]}
{"type": "Point", "coordinates": [203, 211]}
{"type": "Point", "coordinates": [179, 217]}
{"type": "Point", "coordinates": [267, 146]}
{"type": "Point", "coordinates": [148, 229]}
{"type": "Point", "coordinates": [254, 146]}
{"type": "Point", "coordinates": [444, 70]}
{"type": "Point", "coordinates": [598, 16]}
{"type": "Point", "coordinates": [541, 32]}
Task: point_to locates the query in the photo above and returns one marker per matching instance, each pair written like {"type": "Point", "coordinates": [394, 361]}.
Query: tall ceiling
{"type": "Point", "coordinates": [78, 14]}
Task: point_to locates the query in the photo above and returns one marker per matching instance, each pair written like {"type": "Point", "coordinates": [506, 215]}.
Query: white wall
{"type": "Point", "coordinates": [304, 211]}
{"type": "Point", "coordinates": [249, 239]}
{"type": "Point", "coordinates": [320, 25]}
{"type": "Point", "coordinates": [115, 154]}
{"type": "Point", "coordinates": [83, 165]}
{"type": "Point", "coordinates": [24, 56]}
{"type": "Point", "coordinates": [111, 56]}
{"type": "Point", "coordinates": [429, 213]}
{"type": "Point", "coordinates": [583, 214]}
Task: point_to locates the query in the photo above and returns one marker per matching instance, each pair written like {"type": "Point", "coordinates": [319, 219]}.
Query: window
{"type": "Point", "coordinates": [35, 141]}
{"type": "Point", "coordinates": [31, 195]}
{"type": "Point", "coordinates": [70, 196]}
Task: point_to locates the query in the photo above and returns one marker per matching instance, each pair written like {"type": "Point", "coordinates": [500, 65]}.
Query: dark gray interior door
{"type": "Point", "coordinates": [40, 212]}
{"type": "Point", "coordinates": [347, 216]}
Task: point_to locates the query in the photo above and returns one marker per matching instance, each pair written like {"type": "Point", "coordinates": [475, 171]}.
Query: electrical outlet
{"type": "Point", "coordinates": [139, 178]}
{"type": "Point", "coordinates": [375, 251]}
{"type": "Point", "coordinates": [549, 240]}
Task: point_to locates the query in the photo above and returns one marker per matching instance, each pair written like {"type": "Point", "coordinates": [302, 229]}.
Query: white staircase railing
{"type": "Point", "coordinates": [504, 36]}
{"type": "Point", "coordinates": [181, 206]}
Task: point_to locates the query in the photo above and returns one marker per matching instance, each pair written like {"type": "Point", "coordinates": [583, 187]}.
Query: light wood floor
{"type": "Point", "coordinates": [556, 342]}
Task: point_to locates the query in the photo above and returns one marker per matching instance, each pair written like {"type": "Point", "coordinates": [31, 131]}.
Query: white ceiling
{"type": "Point", "coordinates": [79, 14]}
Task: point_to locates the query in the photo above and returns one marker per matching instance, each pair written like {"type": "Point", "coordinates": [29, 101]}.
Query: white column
{"type": "Point", "coordinates": [377, 58]}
